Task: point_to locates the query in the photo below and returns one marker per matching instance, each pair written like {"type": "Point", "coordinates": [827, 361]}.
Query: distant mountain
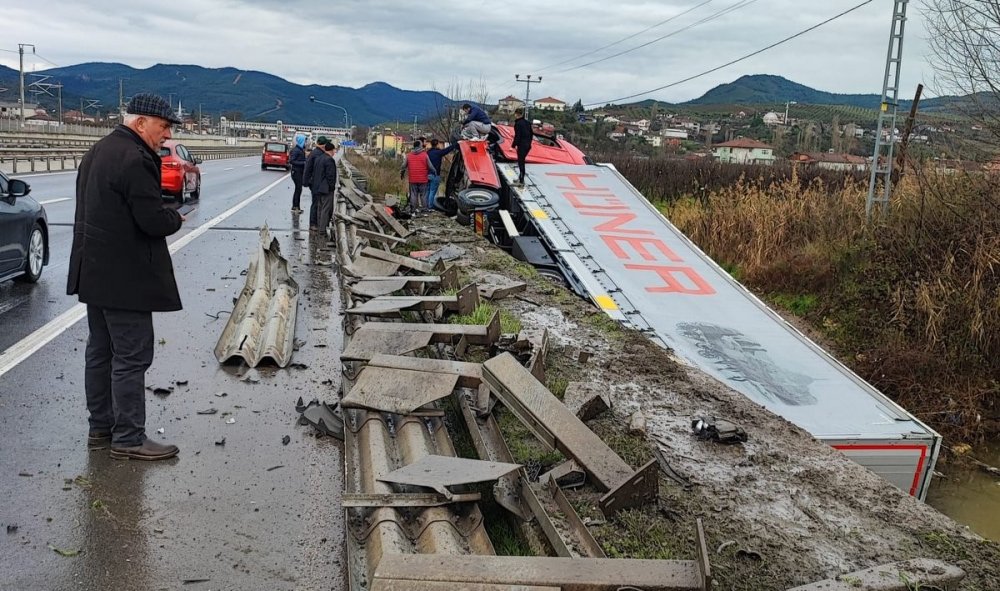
{"type": "Point", "coordinates": [257, 96]}
{"type": "Point", "coordinates": [776, 90]}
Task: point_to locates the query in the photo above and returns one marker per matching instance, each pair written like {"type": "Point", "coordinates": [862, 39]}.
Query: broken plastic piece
{"type": "Point", "coordinates": [719, 430]}
{"type": "Point", "coordinates": [286, 440]}
{"type": "Point", "coordinates": [208, 411]}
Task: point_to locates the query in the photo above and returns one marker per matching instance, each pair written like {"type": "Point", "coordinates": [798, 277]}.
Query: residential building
{"type": "Point", "coordinates": [772, 118]}
{"type": "Point", "coordinates": [830, 161]}
{"type": "Point", "coordinates": [550, 104]}
{"type": "Point", "coordinates": [643, 124]}
{"type": "Point", "coordinates": [744, 151]}
{"type": "Point", "coordinates": [679, 134]}
{"type": "Point", "coordinates": [508, 104]}
{"type": "Point", "coordinates": [12, 109]}
{"type": "Point", "coordinates": [654, 140]}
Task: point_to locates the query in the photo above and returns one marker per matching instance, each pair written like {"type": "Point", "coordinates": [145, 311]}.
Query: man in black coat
{"type": "Point", "coordinates": [319, 151]}
{"type": "Point", "coordinates": [297, 162]}
{"type": "Point", "coordinates": [522, 141]}
{"type": "Point", "coordinates": [120, 267]}
{"type": "Point", "coordinates": [324, 184]}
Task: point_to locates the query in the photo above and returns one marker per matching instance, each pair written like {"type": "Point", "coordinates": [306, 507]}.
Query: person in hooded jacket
{"type": "Point", "coordinates": [307, 173]}
{"type": "Point", "coordinates": [297, 160]}
{"type": "Point", "coordinates": [476, 123]}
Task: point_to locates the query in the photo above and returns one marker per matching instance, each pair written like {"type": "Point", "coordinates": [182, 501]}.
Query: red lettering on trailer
{"type": "Point", "coordinates": [638, 245]}
{"type": "Point", "coordinates": [598, 201]}
{"type": "Point", "coordinates": [576, 200]}
{"type": "Point", "coordinates": [616, 222]}
{"type": "Point", "coordinates": [575, 179]}
{"type": "Point", "coordinates": [673, 285]}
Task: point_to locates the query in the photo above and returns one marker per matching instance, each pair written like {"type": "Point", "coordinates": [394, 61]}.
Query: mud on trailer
{"type": "Point", "coordinates": [586, 225]}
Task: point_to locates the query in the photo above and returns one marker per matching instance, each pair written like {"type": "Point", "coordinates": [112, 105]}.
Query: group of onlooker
{"type": "Point", "coordinates": [318, 171]}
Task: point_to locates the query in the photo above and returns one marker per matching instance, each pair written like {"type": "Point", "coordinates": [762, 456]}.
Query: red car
{"type": "Point", "coordinates": [179, 172]}
{"type": "Point", "coordinates": [275, 154]}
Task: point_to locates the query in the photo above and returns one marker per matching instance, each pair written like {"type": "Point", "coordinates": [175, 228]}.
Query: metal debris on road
{"type": "Point", "coordinates": [221, 394]}
{"type": "Point", "coordinates": [272, 468]}
{"type": "Point", "coordinates": [230, 420]}
{"type": "Point", "coordinates": [208, 411]}
{"type": "Point", "coordinates": [221, 441]}
{"type": "Point", "coordinates": [392, 390]}
{"type": "Point", "coordinates": [263, 319]}
{"type": "Point", "coordinates": [286, 440]}
{"type": "Point", "coordinates": [440, 472]}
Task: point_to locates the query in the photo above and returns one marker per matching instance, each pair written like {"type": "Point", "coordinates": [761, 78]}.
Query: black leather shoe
{"type": "Point", "coordinates": [98, 440]}
{"type": "Point", "coordinates": [149, 451]}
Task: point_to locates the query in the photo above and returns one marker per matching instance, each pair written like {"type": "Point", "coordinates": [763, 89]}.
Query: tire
{"type": "Point", "coordinates": [196, 194]}
{"type": "Point", "coordinates": [476, 198]}
{"type": "Point", "coordinates": [463, 219]}
{"type": "Point", "coordinates": [263, 167]}
{"type": "Point", "coordinates": [35, 259]}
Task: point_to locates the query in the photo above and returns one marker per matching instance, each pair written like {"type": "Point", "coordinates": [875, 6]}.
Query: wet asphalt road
{"type": "Point", "coordinates": [250, 514]}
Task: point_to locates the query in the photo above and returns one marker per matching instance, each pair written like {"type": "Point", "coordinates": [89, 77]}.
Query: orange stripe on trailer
{"type": "Point", "coordinates": [920, 463]}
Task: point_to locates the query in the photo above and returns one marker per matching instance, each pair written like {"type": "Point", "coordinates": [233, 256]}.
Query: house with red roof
{"type": "Point", "coordinates": [743, 151]}
{"type": "Point", "coordinates": [550, 104]}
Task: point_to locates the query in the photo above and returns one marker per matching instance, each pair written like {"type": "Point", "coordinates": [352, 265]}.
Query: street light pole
{"type": "Point", "coordinates": [347, 116]}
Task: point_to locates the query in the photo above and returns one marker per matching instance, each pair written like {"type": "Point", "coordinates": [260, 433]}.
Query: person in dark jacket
{"type": "Point", "coordinates": [297, 160]}
{"type": "Point", "coordinates": [307, 173]}
{"type": "Point", "coordinates": [477, 123]}
{"type": "Point", "coordinates": [436, 156]}
{"type": "Point", "coordinates": [522, 141]}
{"type": "Point", "coordinates": [324, 185]}
{"type": "Point", "coordinates": [121, 269]}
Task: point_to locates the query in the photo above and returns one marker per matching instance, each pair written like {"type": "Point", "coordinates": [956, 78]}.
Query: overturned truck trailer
{"type": "Point", "coordinates": [614, 248]}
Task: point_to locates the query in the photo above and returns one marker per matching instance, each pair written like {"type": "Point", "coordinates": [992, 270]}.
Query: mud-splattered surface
{"type": "Point", "coordinates": [780, 510]}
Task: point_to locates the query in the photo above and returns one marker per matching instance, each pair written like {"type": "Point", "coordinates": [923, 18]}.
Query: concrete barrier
{"type": "Point", "coordinates": [55, 160]}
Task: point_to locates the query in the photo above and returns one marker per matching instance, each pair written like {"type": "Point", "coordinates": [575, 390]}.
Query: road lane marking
{"type": "Point", "coordinates": [28, 175]}
{"type": "Point", "coordinates": [246, 166]}
{"type": "Point", "coordinates": [51, 201]}
{"type": "Point", "coordinates": [27, 346]}
{"type": "Point", "coordinates": [230, 168]}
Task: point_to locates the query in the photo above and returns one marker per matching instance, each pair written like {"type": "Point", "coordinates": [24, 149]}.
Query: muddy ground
{"type": "Point", "coordinates": [780, 510]}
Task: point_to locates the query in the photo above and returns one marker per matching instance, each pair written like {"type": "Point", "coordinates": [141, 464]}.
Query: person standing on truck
{"type": "Point", "coordinates": [419, 168]}
{"type": "Point", "coordinates": [120, 267]}
{"type": "Point", "coordinates": [476, 124]}
{"type": "Point", "coordinates": [436, 155]}
{"type": "Point", "coordinates": [307, 174]}
{"type": "Point", "coordinates": [522, 141]}
{"type": "Point", "coordinates": [297, 161]}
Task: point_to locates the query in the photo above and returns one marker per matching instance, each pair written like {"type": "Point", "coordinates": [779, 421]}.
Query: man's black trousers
{"type": "Point", "coordinates": [297, 180]}
{"type": "Point", "coordinates": [119, 351]}
{"type": "Point", "coordinates": [522, 153]}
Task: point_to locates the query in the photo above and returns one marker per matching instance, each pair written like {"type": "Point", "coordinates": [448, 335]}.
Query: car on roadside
{"type": "Point", "coordinates": [180, 176]}
{"type": "Point", "coordinates": [24, 232]}
{"type": "Point", "coordinates": [275, 155]}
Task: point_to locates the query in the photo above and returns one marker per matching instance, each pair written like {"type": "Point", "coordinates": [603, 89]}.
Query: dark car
{"type": "Point", "coordinates": [179, 172]}
{"type": "Point", "coordinates": [24, 233]}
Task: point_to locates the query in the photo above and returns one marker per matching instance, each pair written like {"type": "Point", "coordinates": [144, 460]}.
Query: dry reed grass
{"type": "Point", "coordinates": [910, 300]}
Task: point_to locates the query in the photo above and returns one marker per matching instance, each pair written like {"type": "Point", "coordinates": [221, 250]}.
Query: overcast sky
{"type": "Point", "coordinates": [446, 44]}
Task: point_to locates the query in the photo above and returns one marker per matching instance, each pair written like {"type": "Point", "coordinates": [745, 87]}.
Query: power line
{"type": "Point", "coordinates": [46, 60]}
{"type": "Point", "coordinates": [707, 19]}
{"type": "Point", "coordinates": [727, 64]}
{"type": "Point", "coordinates": [623, 39]}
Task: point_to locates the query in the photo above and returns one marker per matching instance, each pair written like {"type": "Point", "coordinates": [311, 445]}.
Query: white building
{"type": "Point", "coordinates": [508, 104]}
{"type": "Point", "coordinates": [677, 134]}
{"type": "Point", "coordinates": [654, 140]}
{"type": "Point", "coordinates": [550, 104]}
{"type": "Point", "coordinates": [772, 118]}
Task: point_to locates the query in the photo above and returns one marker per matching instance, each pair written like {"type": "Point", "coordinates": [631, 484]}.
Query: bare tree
{"type": "Point", "coordinates": [965, 47]}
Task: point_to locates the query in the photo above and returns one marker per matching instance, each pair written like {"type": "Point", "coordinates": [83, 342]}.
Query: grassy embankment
{"type": "Point", "coordinates": [910, 301]}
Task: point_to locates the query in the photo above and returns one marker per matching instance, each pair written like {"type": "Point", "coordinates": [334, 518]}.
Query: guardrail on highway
{"type": "Point", "coordinates": [26, 160]}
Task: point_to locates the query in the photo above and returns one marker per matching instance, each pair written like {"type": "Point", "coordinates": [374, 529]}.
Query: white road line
{"type": "Point", "coordinates": [27, 346]}
{"type": "Point", "coordinates": [29, 175]}
{"type": "Point", "coordinates": [230, 168]}
{"type": "Point", "coordinates": [51, 201]}
{"type": "Point", "coordinates": [246, 166]}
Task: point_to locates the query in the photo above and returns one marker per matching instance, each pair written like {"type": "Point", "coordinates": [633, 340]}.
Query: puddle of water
{"type": "Point", "coordinates": [971, 496]}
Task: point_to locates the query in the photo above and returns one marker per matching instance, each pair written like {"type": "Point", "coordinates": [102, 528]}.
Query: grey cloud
{"type": "Point", "coordinates": [423, 45]}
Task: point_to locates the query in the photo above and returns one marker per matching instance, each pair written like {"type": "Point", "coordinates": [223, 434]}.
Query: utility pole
{"type": "Point", "coordinates": [121, 97]}
{"type": "Point", "coordinates": [882, 160]}
{"type": "Point", "coordinates": [527, 80]}
{"type": "Point", "coordinates": [904, 141]}
{"type": "Point", "coordinates": [414, 125]}
{"type": "Point", "coordinates": [59, 89]}
{"type": "Point", "coordinates": [20, 52]}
